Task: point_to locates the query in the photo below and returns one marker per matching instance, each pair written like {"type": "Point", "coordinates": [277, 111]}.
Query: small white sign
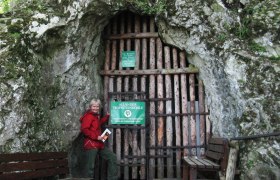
{"type": "Point", "coordinates": [105, 134]}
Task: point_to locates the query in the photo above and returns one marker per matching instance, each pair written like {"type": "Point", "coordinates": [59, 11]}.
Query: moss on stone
{"type": "Point", "coordinates": [217, 8]}
{"type": "Point", "coordinates": [146, 7]}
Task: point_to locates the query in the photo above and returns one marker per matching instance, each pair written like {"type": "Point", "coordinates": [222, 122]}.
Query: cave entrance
{"type": "Point", "coordinates": [175, 121]}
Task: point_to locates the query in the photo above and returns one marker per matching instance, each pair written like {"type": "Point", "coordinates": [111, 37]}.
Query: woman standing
{"type": "Point", "coordinates": [93, 144]}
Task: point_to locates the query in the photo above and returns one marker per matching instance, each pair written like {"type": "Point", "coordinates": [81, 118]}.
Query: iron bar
{"type": "Point", "coordinates": [178, 114]}
{"type": "Point", "coordinates": [124, 126]}
{"type": "Point", "coordinates": [130, 164]}
{"type": "Point", "coordinates": [177, 147]}
{"type": "Point", "coordinates": [256, 136]}
{"type": "Point", "coordinates": [160, 99]}
{"type": "Point", "coordinates": [134, 156]}
{"type": "Point", "coordinates": [133, 36]}
{"type": "Point", "coordinates": [159, 156]}
{"type": "Point", "coordinates": [126, 93]}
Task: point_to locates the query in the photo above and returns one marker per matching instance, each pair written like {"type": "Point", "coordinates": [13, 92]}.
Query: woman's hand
{"type": "Point", "coordinates": [100, 138]}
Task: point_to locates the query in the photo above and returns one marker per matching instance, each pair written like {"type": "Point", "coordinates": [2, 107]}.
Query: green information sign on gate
{"type": "Point", "coordinates": [128, 59]}
{"type": "Point", "coordinates": [127, 112]}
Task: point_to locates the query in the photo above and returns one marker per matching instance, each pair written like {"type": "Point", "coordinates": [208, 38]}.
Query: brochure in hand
{"type": "Point", "coordinates": [105, 134]}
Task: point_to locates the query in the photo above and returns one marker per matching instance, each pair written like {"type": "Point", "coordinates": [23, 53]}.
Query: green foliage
{"type": "Point", "coordinates": [250, 164]}
{"type": "Point", "coordinates": [147, 7]}
{"type": "Point", "coordinates": [243, 30]}
{"type": "Point", "coordinates": [222, 37]}
{"type": "Point", "coordinates": [256, 47]}
{"type": "Point", "coordinates": [4, 6]}
{"type": "Point", "coordinates": [275, 58]}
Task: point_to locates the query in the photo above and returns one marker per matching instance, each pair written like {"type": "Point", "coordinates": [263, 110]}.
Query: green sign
{"type": "Point", "coordinates": [127, 112]}
{"type": "Point", "coordinates": [128, 59]}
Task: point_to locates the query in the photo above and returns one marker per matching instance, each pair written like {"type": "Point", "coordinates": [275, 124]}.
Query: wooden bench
{"type": "Point", "coordinates": [33, 165]}
{"type": "Point", "coordinates": [215, 159]}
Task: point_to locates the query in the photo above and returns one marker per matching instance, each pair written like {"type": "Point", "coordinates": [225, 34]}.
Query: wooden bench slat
{"type": "Point", "coordinates": [32, 156]}
{"type": "Point", "coordinates": [215, 165]}
{"type": "Point", "coordinates": [33, 165]}
{"type": "Point", "coordinates": [198, 163]}
{"type": "Point", "coordinates": [34, 174]}
{"type": "Point", "coordinates": [214, 155]}
{"type": "Point", "coordinates": [27, 165]}
{"type": "Point", "coordinates": [220, 141]}
{"type": "Point", "coordinates": [216, 148]}
{"type": "Point", "coordinates": [189, 161]}
{"type": "Point", "coordinates": [207, 164]}
{"type": "Point", "coordinates": [215, 159]}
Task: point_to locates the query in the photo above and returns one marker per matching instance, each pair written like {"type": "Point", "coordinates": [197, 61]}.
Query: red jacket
{"type": "Point", "coordinates": [91, 128]}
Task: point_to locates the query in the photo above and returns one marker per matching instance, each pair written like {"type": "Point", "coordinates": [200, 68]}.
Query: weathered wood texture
{"type": "Point", "coordinates": [177, 119]}
{"type": "Point", "coordinates": [126, 89]}
{"type": "Point", "coordinates": [33, 165]}
{"type": "Point", "coordinates": [152, 90]}
{"type": "Point", "coordinates": [184, 103]}
{"type": "Point", "coordinates": [168, 110]}
{"type": "Point", "coordinates": [143, 89]}
{"type": "Point", "coordinates": [233, 153]}
{"type": "Point", "coordinates": [176, 113]}
{"type": "Point", "coordinates": [216, 159]}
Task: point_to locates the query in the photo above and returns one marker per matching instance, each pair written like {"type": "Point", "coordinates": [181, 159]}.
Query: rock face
{"type": "Point", "coordinates": [51, 54]}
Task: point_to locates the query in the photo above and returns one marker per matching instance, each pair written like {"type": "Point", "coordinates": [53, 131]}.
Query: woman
{"type": "Point", "coordinates": [93, 144]}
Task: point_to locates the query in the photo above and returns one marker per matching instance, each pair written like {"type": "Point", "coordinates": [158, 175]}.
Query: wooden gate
{"type": "Point", "coordinates": [175, 111]}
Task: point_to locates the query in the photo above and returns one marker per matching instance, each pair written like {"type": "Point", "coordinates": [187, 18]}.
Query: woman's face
{"type": "Point", "coordinates": [95, 108]}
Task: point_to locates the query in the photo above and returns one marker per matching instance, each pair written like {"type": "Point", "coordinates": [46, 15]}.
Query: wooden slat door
{"type": "Point", "coordinates": [176, 115]}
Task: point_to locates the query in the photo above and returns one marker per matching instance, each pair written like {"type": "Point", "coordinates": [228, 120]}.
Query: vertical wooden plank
{"type": "Point", "coordinates": [208, 125]}
{"type": "Point", "coordinates": [233, 154]}
{"type": "Point", "coordinates": [119, 143]}
{"type": "Point", "coordinates": [107, 67]}
{"type": "Point", "coordinates": [106, 83]}
{"type": "Point", "coordinates": [197, 127]}
{"type": "Point", "coordinates": [126, 88]}
{"type": "Point", "coordinates": [152, 103]}
{"type": "Point", "coordinates": [143, 89]}
{"type": "Point", "coordinates": [184, 103]}
{"type": "Point", "coordinates": [111, 79]}
{"type": "Point", "coordinates": [135, 89]}
{"type": "Point", "coordinates": [106, 86]}
{"type": "Point", "coordinates": [168, 110]}
{"type": "Point", "coordinates": [192, 110]}
{"type": "Point", "coordinates": [177, 111]}
{"type": "Point", "coordinates": [160, 106]}
{"type": "Point", "coordinates": [201, 117]}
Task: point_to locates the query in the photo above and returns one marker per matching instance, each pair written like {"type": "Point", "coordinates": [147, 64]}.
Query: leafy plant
{"type": "Point", "coordinates": [222, 37]}
{"type": "Point", "coordinates": [250, 164]}
{"type": "Point", "coordinates": [147, 7]}
{"type": "Point", "coordinates": [275, 58]}
{"type": "Point", "coordinates": [4, 6]}
{"type": "Point", "coordinates": [256, 47]}
{"type": "Point", "coordinates": [243, 30]}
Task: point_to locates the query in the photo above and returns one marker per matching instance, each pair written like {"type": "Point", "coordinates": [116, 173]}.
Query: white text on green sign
{"type": "Point", "coordinates": [127, 112]}
{"type": "Point", "coordinates": [128, 59]}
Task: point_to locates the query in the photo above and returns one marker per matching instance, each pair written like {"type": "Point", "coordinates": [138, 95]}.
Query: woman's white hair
{"type": "Point", "coordinates": [95, 101]}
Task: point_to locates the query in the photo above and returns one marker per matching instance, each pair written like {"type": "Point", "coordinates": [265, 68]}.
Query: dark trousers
{"type": "Point", "coordinates": [106, 154]}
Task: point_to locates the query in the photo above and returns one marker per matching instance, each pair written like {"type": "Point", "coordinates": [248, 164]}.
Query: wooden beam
{"type": "Point", "coordinates": [148, 72]}
{"type": "Point", "coordinates": [133, 36]}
